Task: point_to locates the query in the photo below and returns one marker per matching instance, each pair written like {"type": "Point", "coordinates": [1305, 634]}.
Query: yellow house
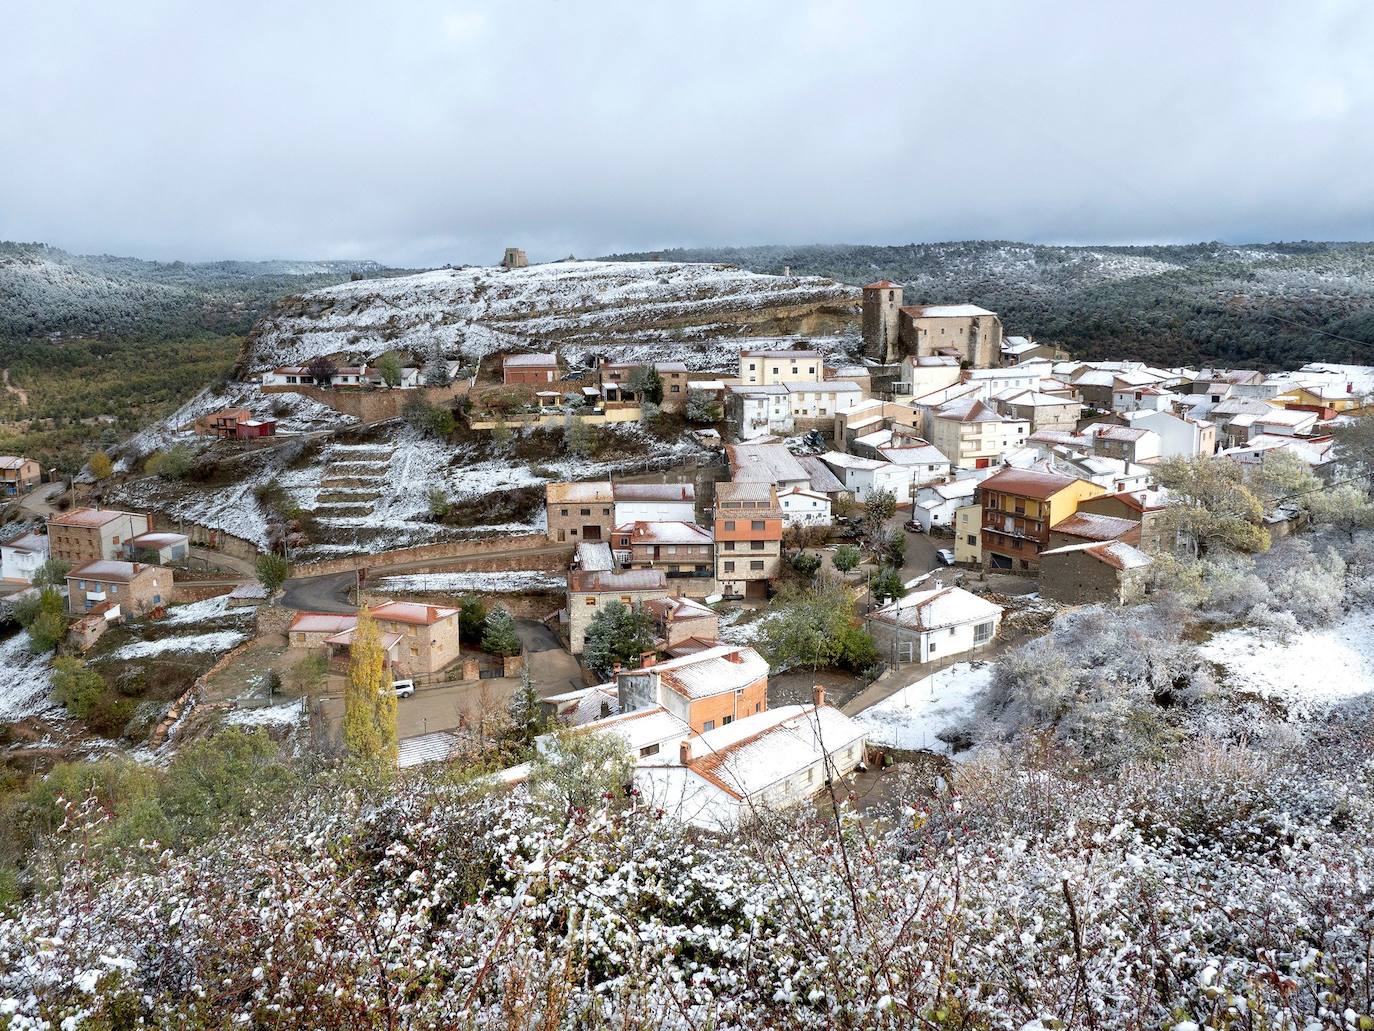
{"type": "Point", "coordinates": [1019, 506]}
{"type": "Point", "coordinates": [968, 535]}
{"type": "Point", "coordinates": [1336, 398]}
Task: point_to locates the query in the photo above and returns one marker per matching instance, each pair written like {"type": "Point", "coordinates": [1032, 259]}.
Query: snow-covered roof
{"type": "Point", "coordinates": [967, 409]}
{"type": "Point", "coordinates": [90, 517]}
{"type": "Point", "coordinates": [945, 311]}
{"type": "Point", "coordinates": [592, 582]}
{"type": "Point", "coordinates": [595, 557]}
{"type": "Point", "coordinates": [587, 490]}
{"type": "Point", "coordinates": [13, 462]}
{"type": "Point", "coordinates": [752, 754]}
{"type": "Point", "coordinates": [158, 540]}
{"type": "Point", "coordinates": [755, 491]}
{"type": "Point", "coordinates": [539, 360]}
{"type": "Point", "coordinates": [438, 746]}
{"type": "Point", "coordinates": [412, 612]}
{"type": "Point", "coordinates": [840, 460]}
{"type": "Point", "coordinates": [641, 728]}
{"type": "Point", "coordinates": [822, 479]}
{"type": "Point", "coordinates": [936, 609]}
{"type": "Point", "coordinates": [715, 671]}
{"type": "Point", "coordinates": [31, 543]}
{"type": "Point", "coordinates": [766, 462]}
{"type": "Point", "coordinates": [673, 531]}
{"type": "Point", "coordinates": [1030, 483]}
{"type": "Point", "coordinates": [830, 386]}
{"type": "Point", "coordinates": [655, 491]}
{"type": "Point", "coordinates": [914, 454]}
{"type": "Point", "coordinates": [1117, 554]}
{"type": "Point", "coordinates": [1032, 398]}
{"type": "Point", "coordinates": [321, 622]}
{"type": "Point", "coordinates": [670, 609]}
{"type": "Point", "coordinates": [780, 353]}
{"type": "Point", "coordinates": [1092, 526]}
{"type": "Point", "coordinates": [109, 569]}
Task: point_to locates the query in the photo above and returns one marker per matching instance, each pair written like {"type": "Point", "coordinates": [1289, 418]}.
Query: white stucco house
{"type": "Point", "coordinates": [802, 506]}
{"type": "Point", "coordinates": [936, 505]}
{"type": "Point", "coordinates": [933, 624]}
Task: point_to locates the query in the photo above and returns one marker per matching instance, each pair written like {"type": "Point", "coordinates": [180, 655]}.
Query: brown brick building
{"type": "Point", "coordinates": [91, 534]}
{"type": "Point", "coordinates": [133, 586]}
{"type": "Point", "coordinates": [580, 512]}
{"type": "Point", "coordinates": [1019, 508]}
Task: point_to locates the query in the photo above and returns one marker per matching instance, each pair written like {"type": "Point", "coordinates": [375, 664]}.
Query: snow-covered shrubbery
{"type": "Point", "coordinates": [1112, 684]}
{"type": "Point", "coordinates": [1225, 887]}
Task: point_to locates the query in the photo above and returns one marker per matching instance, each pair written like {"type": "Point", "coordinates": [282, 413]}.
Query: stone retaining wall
{"type": "Point", "coordinates": [373, 405]}
{"type": "Point", "coordinates": [445, 550]}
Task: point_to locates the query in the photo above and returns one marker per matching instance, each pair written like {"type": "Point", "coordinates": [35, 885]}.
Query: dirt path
{"type": "Point", "coordinates": [18, 392]}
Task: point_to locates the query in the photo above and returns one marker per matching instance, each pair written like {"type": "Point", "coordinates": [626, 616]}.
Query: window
{"type": "Point", "coordinates": [930, 648]}
{"type": "Point", "coordinates": [708, 725]}
{"type": "Point", "coordinates": [756, 545]}
{"type": "Point", "coordinates": [756, 524]}
{"type": "Point", "coordinates": [591, 600]}
{"type": "Point", "coordinates": [982, 633]}
{"type": "Point", "coordinates": [647, 750]}
{"type": "Point", "coordinates": [585, 512]}
{"type": "Point", "coordinates": [675, 389]}
{"type": "Point", "coordinates": [726, 720]}
{"type": "Point", "coordinates": [562, 511]}
{"type": "Point", "coordinates": [729, 524]}
{"type": "Point", "coordinates": [758, 706]}
{"type": "Point", "coordinates": [756, 564]}
{"type": "Point", "coordinates": [972, 540]}
{"type": "Point", "coordinates": [729, 545]}
{"type": "Point", "coordinates": [729, 567]}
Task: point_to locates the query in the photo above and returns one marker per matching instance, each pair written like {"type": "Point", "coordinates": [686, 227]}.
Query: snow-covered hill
{"type": "Point", "coordinates": [474, 311]}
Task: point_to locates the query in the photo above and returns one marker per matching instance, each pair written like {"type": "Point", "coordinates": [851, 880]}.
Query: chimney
{"type": "Point", "coordinates": [615, 670]}
{"type": "Point", "coordinates": [432, 613]}
{"type": "Point", "coordinates": [684, 751]}
{"type": "Point", "coordinates": [646, 660]}
{"type": "Point", "coordinates": [818, 695]}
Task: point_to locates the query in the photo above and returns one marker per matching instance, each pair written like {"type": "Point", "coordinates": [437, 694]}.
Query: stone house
{"type": "Point", "coordinates": [529, 368]}
{"type": "Point", "coordinates": [1093, 528]}
{"type": "Point", "coordinates": [429, 639]}
{"type": "Point", "coordinates": [964, 331]}
{"type": "Point", "coordinates": [589, 592]}
{"type": "Point", "coordinates": [1148, 507]}
{"type": "Point", "coordinates": [90, 534]}
{"type": "Point", "coordinates": [1094, 572]}
{"type": "Point", "coordinates": [1041, 411]}
{"type": "Point", "coordinates": [582, 511]}
{"type": "Point", "coordinates": [933, 624]}
{"type": "Point", "coordinates": [133, 586]}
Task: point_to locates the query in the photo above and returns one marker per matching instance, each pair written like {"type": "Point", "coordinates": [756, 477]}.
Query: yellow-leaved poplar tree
{"type": "Point", "coordinates": [369, 727]}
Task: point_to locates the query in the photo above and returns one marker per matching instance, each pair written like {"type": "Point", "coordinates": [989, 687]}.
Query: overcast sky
{"type": "Point", "coordinates": [420, 133]}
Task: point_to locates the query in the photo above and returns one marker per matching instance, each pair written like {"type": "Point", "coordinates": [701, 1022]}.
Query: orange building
{"type": "Point", "coordinates": [708, 689]}
{"type": "Point", "coordinates": [1019, 508]}
{"type": "Point", "coordinates": [748, 533]}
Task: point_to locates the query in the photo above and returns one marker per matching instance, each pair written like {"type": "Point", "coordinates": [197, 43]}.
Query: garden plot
{"type": "Point", "coordinates": [215, 641]}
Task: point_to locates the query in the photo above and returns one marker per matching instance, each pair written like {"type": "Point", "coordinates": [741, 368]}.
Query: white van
{"type": "Point", "coordinates": [404, 688]}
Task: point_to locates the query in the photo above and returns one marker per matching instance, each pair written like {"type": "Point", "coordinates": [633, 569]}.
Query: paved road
{"type": "Point", "coordinates": [39, 501]}
{"type": "Point", "coordinates": [552, 669]}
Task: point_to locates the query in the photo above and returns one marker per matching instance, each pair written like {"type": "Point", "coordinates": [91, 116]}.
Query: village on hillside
{"type": "Point", "coordinates": [777, 552]}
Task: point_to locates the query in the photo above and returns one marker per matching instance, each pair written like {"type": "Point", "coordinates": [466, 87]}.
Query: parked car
{"type": "Point", "coordinates": [912, 526]}
{"type": "Point", "coordinates": [946, 556]}
{"type": "Point", "coordinates": [404, 688]}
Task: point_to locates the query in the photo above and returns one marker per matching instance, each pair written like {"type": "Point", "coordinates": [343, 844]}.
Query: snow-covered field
{"type": "Point", "coordinates": [27, 681]}
{"type": "Point", "coordinates": [511, 582]}
{"type": "Point", "coordinates": [218, 641]}
{"type": "Point", "coordinates": [1311, 671]}
{"type": "Point", "coordinates": [918, 714]}
{"type": "Point", "coordinates": [269, 715]}
{"type": "Point", "coordinates": [204, 611]}
{"type": "Point", "coordinates": [475, 311]}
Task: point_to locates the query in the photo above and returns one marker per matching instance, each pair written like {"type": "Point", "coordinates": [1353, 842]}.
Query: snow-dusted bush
{"type": "Point", "coordinates": [1109, 684]}
{"type": "Point", "coordinates": [1225, 888]}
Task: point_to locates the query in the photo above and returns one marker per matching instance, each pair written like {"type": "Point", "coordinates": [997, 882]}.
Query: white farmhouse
{"type": "Point", "coordinates": [862, 476]}
{"type": "Point", "coordinates": [654, 503]}
{"type": "Point", "coordinates": [802, 506]}
{"type": "Point", "coordinates": [936, 504]}
{"type": "Point", "coordinates": [933, 624]}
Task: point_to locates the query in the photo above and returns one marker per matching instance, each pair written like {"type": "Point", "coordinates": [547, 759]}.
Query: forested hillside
{"type": "Point", "coordinates": [96, 346]}
{"type": "Point", "coordinates": [1256, 305]}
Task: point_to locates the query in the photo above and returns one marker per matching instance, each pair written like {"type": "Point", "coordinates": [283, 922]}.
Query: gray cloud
{"type": "Point", "coordinates": [425, 132]}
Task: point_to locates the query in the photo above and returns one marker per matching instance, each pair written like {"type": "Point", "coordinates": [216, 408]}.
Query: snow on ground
{"type": "Point", "coordinates": [740, 627]}
{"type": "Point", "coordinates": [269, 715]}
{"type": "Point", "coordinates": [219, 641]}
{"type": "Point", "coordinates": [476, 311]}
{"type": "Point", "coordinates": [1311, 671]}
{"type": "Point", "coordinates": [916, 715]}
{"type": "Point", "coordinates": [27, 684]}
{"type": "Point", "coordinates": [510, 582]}
{"type": "Point", "coordinates": [203, 611]}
